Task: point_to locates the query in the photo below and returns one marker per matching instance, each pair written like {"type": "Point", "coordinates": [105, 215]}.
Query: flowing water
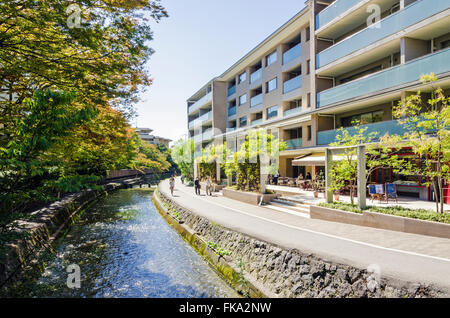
{"type": "Point", "coordinates": [124, 248]}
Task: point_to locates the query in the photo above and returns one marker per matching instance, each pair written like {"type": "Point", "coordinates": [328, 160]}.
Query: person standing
{"type": "Point", "coordinates": [208, 186]}
{"type": "Point", "coordinates": [197, 186]}
{"type": "Point", "coordinates": [182, 178]}
{"type": "Point", "coordinates": [172, 185]}
{"type": "Point", "coordinates": [275, 178]}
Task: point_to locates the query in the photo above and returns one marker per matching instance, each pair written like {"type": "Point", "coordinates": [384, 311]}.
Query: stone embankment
{"type": "Point", "coordinates": [278, 272]}
{"type": "Point", "coordinates": [47, 224]}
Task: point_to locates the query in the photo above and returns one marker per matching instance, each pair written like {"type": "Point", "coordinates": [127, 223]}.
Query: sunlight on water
{"type": "Point", "coordinates": [125, 249]}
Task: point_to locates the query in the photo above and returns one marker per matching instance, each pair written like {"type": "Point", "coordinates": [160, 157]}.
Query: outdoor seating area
{"type": "Point", "coordinates": [291, 182]}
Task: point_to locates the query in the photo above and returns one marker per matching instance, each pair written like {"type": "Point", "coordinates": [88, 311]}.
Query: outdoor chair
{"type": "Point", "coordinates": [391, 192]}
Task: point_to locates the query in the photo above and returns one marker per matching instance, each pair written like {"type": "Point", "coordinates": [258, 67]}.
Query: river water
{"type": "Point", "coordinates": [124, 248]}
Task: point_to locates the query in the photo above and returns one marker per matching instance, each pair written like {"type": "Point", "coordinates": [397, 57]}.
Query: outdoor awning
{"type": "Point", "coordinates": [310, 160]}
{"type": "Point", "coordinates": [316, 159]}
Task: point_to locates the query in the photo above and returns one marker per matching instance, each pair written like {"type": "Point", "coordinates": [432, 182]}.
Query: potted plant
{"type": "Point", "coordinates": [319, 184]}
{"type": "Point", "coordinates": [337, 183]}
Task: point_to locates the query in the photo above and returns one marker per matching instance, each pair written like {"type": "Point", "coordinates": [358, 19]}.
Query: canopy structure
{"type": "Point", "coordinates": [316, 159]}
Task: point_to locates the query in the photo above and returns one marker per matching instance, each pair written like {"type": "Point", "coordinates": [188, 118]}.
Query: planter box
{"type": "Point", "coordinates": [383, 221]}
{"type": "Point", "coordinates": [217, 187]}
{"type": "Point", "coordinates": [248, 197]}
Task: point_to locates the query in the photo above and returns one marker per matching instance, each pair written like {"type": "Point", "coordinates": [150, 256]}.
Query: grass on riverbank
{"type": "Point", "coordinates": [421, 214]}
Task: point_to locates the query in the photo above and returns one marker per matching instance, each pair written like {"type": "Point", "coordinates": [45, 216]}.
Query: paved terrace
{"type": "Point", "coordinates": [308, 197]}
{"type": "Point", "coordinates": [404, 256]}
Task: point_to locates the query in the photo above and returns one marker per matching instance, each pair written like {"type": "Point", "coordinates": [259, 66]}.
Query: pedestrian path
{"type": "Point", "coordinates": [400, 255]}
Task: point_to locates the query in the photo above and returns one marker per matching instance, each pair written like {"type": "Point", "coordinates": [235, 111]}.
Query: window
{"type": "Point", "coordinates": [309, 133]}
{"type": "Point", "coordinates": [243, 121]}
{"type": "Point", "coordinates": [308, 34]}
{"type": "Point", "coordinates": [242, 99]}
{"type": "Point", "coordinates": [309, 99]}
{"type": "Point", "coordinates": [271, 85]}
{"type": "Point", "coordinates": [272, 112]}
{"type": "Point", "coordinates": [363, 119]}
{"type": "Point", "coordinates": [272, 58]}
{"type": "Point", "coordinates": [242, 77]}
{"type": "Point", "coordinates": [308, 67]}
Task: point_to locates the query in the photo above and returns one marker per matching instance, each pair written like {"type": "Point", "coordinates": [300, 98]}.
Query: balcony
{"type": "Point", "coordinates": [334, 10]}
{"type": "Point", "coordinates": [391, 127]}
{"type": "Point", "coordinates": [231, 111]}
{"type": "Point", "coordinates": [202, 119]}
{"type": "Point", "coordinates": [294, 143]}
{"type": "Point", "coordinates": [201, 102]}
{"type": "Point", "coordinates": [292, 111]}
{"type": "Point", "coordinates": [257, 122]}
{"type": "Point", "coordinates": [256, 100]}
{"type": "Point", "coordinates": [292, 84]}
{"type": "Point", "coordinates": [390, 25]}
{"type": "Point", "coordinates": [231, 91]}
{"type": "Point", "coordinates": [292, 54]}
{"type": "Point", "coordinates": [256, 77]}
{"type": "Point", "coordinates": [389, 79]}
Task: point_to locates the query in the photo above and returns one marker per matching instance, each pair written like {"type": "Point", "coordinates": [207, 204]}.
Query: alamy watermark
{"type": "Point", "coordinates": [74, 19]}
{"type": "Point", "coordinates": [74, 276]}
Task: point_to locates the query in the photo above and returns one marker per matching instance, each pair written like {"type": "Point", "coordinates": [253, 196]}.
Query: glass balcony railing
{"type": "Point", "coordinates": [292, 84]}
{"type": "Point", "coordinates": [232, 90]}
{"type": "Point", "coordinates": [256, 76]}
{"type": "Point", "coordinates": [231, 111]}
{"type": "Point", "coordinates": [292, 111]}
{"type": "Point", "coordinates": [412, 14]}
{"type": "Point", "coordinates": [256, 100]}
{"type": "Point", "coordinates": [292, 54]}
{"type": "Point", "coordinates": [390, 127]}
{"type": "Point", "coordinates": [204, 118]}
{"type": "Point", "coordinates": [201, 102]}
{"type": "Point", "coordinates": [333, 10]}
{"type": "Point", "coordinates": [257, 122]}
{"type": "Point", "coordinates": [294, 143]}
{"type": "Point", "coordinates": [390, 78]}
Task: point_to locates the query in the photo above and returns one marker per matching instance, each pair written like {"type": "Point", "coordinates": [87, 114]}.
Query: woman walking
{"type": "Point", "coordinates": [208, 186]}
{"type": "Point", "coordinates": [172, 184]}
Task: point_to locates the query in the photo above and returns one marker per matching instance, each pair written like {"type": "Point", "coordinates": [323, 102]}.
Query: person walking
{"type": "Point", "coordinates": [197, 186]}
{"type": "Point", "coordinates": [172, 185]}
{"type": "Point", "coordinates": [208, 186]}
{"type": "Point", "coordinates": [182, 178]}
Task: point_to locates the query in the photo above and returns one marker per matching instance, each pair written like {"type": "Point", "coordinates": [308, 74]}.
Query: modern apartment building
{"type": "Point", "coordinates": [145, 134]}
{"type": "Point", "coordinates": [332, 63]}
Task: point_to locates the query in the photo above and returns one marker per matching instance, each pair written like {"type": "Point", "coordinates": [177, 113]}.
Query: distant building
{"type": "Point", "coordinates": [145, 134]}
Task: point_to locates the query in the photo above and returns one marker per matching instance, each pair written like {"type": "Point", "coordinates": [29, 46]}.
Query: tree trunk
{"type": "Point", "coordinates": [441, 193]}
{"type": "Point", "coordinates": [436, 194]}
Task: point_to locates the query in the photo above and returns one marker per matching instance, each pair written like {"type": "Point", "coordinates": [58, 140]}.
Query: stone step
{"type": "Point", "coordinates": [292, 203]}
{"type": "Point", "coordinates": [299, 211]}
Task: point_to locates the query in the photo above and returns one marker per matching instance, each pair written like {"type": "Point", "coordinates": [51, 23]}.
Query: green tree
{"type": "Point", "coordinates": [427, 124]}
{"type": "Point", "coordinates": [182, 155]}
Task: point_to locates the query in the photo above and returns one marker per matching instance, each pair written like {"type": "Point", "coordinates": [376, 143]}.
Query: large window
{"type": "Point", "coordinates": [242, 77]}
{"type": "Point", "coordinates": [272, 112]}
{"type": "Point", "coordinates": [242, 99]}
{"type": "Point", "coordinates": [271, 85]}
{"type": "Point", "coordinates": [363, 119]}
{"type": "Point", "coordinates": [270, 59]}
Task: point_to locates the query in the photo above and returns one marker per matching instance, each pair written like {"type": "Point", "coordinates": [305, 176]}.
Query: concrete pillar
{"type": "Point", "coordinates": [195, 169]}
{"type": "Point", "coordinates": [362, 177]}
{"type": "Point", "coordinates": [328, 165]}
{"type": "Point", "coordinates": [218, 172]}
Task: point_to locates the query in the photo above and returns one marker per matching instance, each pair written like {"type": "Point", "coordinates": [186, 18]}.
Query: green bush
{"type": "Point", "coordinates": [420, 214]}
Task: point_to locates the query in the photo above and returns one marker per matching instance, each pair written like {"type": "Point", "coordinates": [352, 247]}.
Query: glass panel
{"type": "Point", "coordinates": [434, 63]}
{"type": "Point", "coordinates": [272, 112]}
{"type": "Point", "coordinates": [292, 84]}
{"type": "Point", "coordinates": [412, 14]}
{"type": "Point", "coordinates": [292, 54]}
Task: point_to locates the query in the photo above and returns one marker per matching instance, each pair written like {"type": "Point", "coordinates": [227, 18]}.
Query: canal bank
{"type": "Point", "coordinates": [278, 270]}
{"type": "Point", "coordinates": [125, 249]}
{"type": "Point", "coordinates": [47, 225]}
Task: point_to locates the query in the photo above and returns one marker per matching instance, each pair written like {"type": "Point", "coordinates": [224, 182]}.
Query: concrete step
{"type": "Point", "coordinates": [292, 203]}
{"type": "Point", "coordinates": [291, 209]}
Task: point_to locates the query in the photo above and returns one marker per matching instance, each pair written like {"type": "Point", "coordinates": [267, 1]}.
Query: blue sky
{"type": "Point", "coordinates": [200, 40]}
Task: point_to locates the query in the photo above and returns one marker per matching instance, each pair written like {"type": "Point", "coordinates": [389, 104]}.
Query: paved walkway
{"type": "Point", "coordinates": [308, 197]}
{"type": "Point", "coordinates": [405, 256]}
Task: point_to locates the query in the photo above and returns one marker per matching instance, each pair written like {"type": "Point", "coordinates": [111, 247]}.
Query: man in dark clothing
{"type": "Point", "coordinates": [308, 176]}
{"type": "Point", "coordinates": [197, 186]}
{"type": "Point", "coordinates": [275, 178]}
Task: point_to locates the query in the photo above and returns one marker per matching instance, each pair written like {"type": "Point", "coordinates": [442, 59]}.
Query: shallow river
{"type": "Point", "coordinates": [124, 248]}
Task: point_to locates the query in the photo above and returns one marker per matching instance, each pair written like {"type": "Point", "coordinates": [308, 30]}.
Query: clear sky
{"type": "Point", "coordinates": [200, 40]}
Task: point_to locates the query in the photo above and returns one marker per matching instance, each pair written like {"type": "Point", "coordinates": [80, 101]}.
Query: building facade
{"type": "Point", "coordinates": [332, 63]}
{"type": "Point", "coordinates": [145, 134]}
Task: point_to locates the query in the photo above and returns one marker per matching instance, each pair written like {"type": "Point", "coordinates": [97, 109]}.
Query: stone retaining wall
{"type": "Point", "coordinates": [280, 272]}
{"type": "Point", "coordinates": [47, 225]}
